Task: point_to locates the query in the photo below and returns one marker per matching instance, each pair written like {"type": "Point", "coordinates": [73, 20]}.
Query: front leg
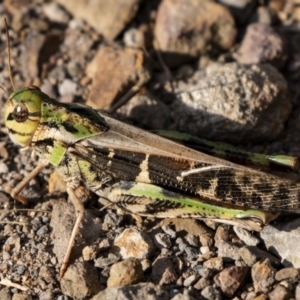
{"type": "Point", "coordinates": [72, 185]}
{"type": "Point", "coordinates": [15, 192]}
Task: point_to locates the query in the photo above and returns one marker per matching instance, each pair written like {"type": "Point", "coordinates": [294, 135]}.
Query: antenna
{"type": "Point", "coordinates": [9, 56]}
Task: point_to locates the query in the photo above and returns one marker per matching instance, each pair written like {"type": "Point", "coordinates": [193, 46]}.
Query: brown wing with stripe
{"type": "Point", "coordinates": [186, 171]}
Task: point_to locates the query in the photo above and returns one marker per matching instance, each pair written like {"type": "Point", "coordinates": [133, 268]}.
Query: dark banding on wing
{"type": "Point", "coordinates": [123, 165]}
{"type": "Point", "coordinates": [90, 114]}
{"type": "Point", "coordinates": [264, 187]}
{"type": "Point", "coordinates": [102, 150]}
{"type": "Point", "coordinates": [127, 185]}
{"type": "Point", "coordinates": [51, 124]}
{"type": "Point", "coordinates": [127, 201]}
{"type": "Point", "coordinates": [280, 194]}
{"type": "Point", "coordinates": [126, 164]}
{"type": "Point", "coordinates": [246, 180]}
{"type": "Point", "coordinates": [69, 127]}
{"type": "Point", "coordinates": [44, 144]}
{"type": "Point", "coordinates": [256, 199]}
{"type": "Point", "coordinates": [131, 157]}
{"type": "Point", "coordinates": [158, 206]}
{"type": "Point", "coordinates": [164, 164]}
{"type": "Point", "coordinates": [204, 183]}
{"type": "Point", "coordinates": [227, 186]}
{"type": "Point", "coordinates": [80, 110]}
{"type": "Point", "coordinates": [170, 194]}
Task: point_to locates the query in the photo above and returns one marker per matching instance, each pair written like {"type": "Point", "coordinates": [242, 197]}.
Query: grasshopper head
{"type": "Point", "coordinates": [22, 114]}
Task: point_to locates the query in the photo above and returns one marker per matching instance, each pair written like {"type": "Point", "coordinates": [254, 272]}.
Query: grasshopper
{"type": "Point", "coordinates": [143, 173]}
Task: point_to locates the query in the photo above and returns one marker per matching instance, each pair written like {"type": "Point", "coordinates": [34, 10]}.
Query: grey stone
{"type": "Point", "coordinates": [230, 279]}
{"type": "Point", "coordinates": [211, 293]}
{"type": "Point", "coordinates": [162, 240]}
{"type": "Point", "coordinates": [290, 274]}
{"type": "Point", "coordinates": [43, 230]}
{"type": "Point", "coordinates": [228, 251]}
{"type": "Point", "coordinates": [194, 29]}
{"type": "Point", "coordinates": [55, 13]}
{"type": "Point", "coordinates": [114, 14]}
{"type": "Point", "coordinates": [283, 240]}
{"type": "Point", "coordinates": [76, 284]}
{"type": "Point", "coordinates": [220, 104]}
{"type": "Point", "coordinates": [297, 292]}
{"type": "Point", "coordinates": [102, 262]}
{"type": "Point", "coordinates": [126, 272]}
{"type": "Point", "coordinates": [252, 254]}
{"type": "Point", "coordinates": [132, 242]}
{"type": "Point", "coordinates": [190, 280]}
{"type": "Point", "coordinates": [246, 236]}
{"type": "Point", "coordinates": [263, 276]}
{"type": "Point", "coordinates": [280, 293]}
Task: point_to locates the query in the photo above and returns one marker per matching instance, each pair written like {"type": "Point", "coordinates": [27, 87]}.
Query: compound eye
{"type": "Point", "coordinates": [20, 113]}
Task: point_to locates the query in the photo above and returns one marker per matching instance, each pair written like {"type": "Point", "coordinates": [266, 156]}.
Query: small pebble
{"type": "Point", "coordinates": [67, 87]}
{"type": "Point", "coordinates": [146, 264]}
{"type": "Point", "coordinates": [193, 240]}
{"type": "Point", "coordinates": [134, 38]}
{"type": "Point", "coordinates": [251, 254]}
{"type": "Point", "coordinates": [168, 230]}
{"type": "Point", "coordinates": [287, 273]}
{"type": "Point", "coordinates": [202, 283]}
{"type": "Point", "coordinates": [113, 220]}
{"type": "Point", "coordinates": [191, 252]}
{"type": "Point", "coordinates": [181, 244]}
{"type": "Point", "coordinates": [36, 223]}
{"type": "Point", "coordinates": [230, 279]}
{"type": "Point", "coordinates": [45, 219]}
{"type": "Point", "coordinates": [102, 262]}
{"type": "Point", "coordinates": [21, 270]}
{"type": "Point", "coordinates": [43, 230]}
{"type": "Point", "coordinates": [5, 255]}
{"type": "Point", "coordinates": [263, 276]}
{"type": "Point", "coordinates": [163, 271]}
{"type": "Point", "coordinates": [228, 251]}
{"type": "Point", "coordinates": [3, 168]}
{"type": "Point", "coordinates": [162, 240]}
{"type": "Point", "coordinates": [190, 280]}
{"type": "Point", "coordinates": [280, 293]}
{"type": "Point", "coordinates": [215, 263]}
{"type": "Point", "coordinates": [204, 250]}
{"type": "Point", "coordinates": [40, 246]}
{"type": "Point", "coordinates": [211, 293]}
{"type": "Point", "coordinates": [248, 238]}
{"type": "Point", "coordinates": [19, 296]}
{"type": "Point", "coordinates": [134, 243]}
{"type": "Point", "coordinates": [46, 272]}
{"type": "Point", "coordinates": [203, 271]}
{"type": "Point", "coordinates": [104, 245]}
{"type": "Point", "coordinates": [74, 69]}
{"type": "Point", "coordinates": [126, 272]}
{"type": "Point", "coordinates": [90, 252]}
{"type": "Point", "coordinates": [297, 292]}
{"type": "Point", "coordinates": [55, 13]}
{"type": "Point", "coordinates": [13, 243]}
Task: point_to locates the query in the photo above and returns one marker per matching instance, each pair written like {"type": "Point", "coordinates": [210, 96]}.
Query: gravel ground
{"type": "Point", "coordinates": [224, 72]}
